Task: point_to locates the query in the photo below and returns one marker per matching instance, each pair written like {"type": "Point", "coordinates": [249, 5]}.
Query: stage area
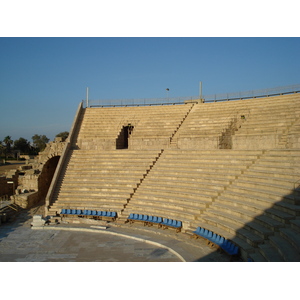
{"type": "Point", "coordinates": [75, 243]}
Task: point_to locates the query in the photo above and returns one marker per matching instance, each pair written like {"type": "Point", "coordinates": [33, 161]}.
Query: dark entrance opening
{"type": "Point", "coordinates": [46, 176]}
{"type": "Point", "coordinates": [122, 140]}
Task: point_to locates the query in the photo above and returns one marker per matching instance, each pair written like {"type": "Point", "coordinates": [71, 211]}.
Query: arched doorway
{"type": "Point", "coordinates": [46, 176]}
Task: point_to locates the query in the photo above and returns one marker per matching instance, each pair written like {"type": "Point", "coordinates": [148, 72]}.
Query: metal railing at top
{"type": "Point", "coordinates": [282, 90]}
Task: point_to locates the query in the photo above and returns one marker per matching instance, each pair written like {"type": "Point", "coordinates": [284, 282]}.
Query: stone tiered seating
{"type": "Point", "coordinates": [101, 180]}
{"type": "Point", "coordinates": [269, 120]}
{"type": "Point", "coordinates": [101, 126]}
{"type": "Point", "coordinates": [245, 194]}
{"type": "Point", "coordinates": [183, 184]}
{"type": "Point", "coordinates": [259, 202]}
{"type": "Point", "coordinates": [266, 122]}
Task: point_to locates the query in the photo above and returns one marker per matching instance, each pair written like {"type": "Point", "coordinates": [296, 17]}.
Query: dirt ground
{"type": "Point", "coordinates": [11, 165]}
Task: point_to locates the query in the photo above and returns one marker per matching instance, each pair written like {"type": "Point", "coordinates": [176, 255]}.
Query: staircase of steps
{"type": "Point", "coordinates": [173, 139]}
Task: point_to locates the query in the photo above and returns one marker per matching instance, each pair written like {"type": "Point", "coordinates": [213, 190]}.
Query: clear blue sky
{"type": "Point", "coordinates": [42, 80]}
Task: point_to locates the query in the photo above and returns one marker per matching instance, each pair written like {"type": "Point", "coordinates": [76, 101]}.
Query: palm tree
{"type": "Point", "coordinates": [8, 141]}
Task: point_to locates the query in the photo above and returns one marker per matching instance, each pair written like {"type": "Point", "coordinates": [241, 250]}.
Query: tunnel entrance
{"type": "Point", "coordinates": [46, 176]}
{"type": "Point", "coordinates": [122, 140]}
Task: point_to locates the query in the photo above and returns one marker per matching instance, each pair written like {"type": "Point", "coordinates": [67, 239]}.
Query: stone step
{"type": "Point", "coordinates": [247, 215]}
{"type": "Point", "coordinates": [239, 222]}
{"type": "Point", "coordinates": [203, 164]}
{"type": "Point", "coordinates": [231, 153]}
{"type": "Point", "coordinates": [182, 193]}
{"type": "Point", "coordinates": [268, 179]}
{"type": "Point", "coordinates": [288, 252]}
{"type": "Point", "coordinates": [91, 199]}
{"type": "Point", "coordinates": [292, 236]}
{"type": "Point", "coordinates": [265, 186]}
{"type": "Point", "coordinates": [196, 172]}
{"type": "Point", "coordinates": [255, 193]}
{"type": "Point", "coordinates": [263, 203]}
{"type": "Point", "coordinates": [179, 186]}
{"type": "Point", "coordinates": [248, 236]}
{"type": "Point", "coordinates": [270, 253]}
{"type": "Point", "coordinates": [257, 256]}
{"type": "Point", "coordinates": [295, 224]}
{"type": "Point", "coordinates": [190, 176]}
{"type": "Point", "coordinates": [160, 200]}
{"type": "Point", "coordinates": [269, 222]}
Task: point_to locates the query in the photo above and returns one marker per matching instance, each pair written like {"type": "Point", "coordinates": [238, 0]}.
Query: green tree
{"type": "Point", "coordinates": [39, 142]}
{"type": "Point", "coordinates": [63, 134]}
{"type": "Point", "coordinates": [23, 145]}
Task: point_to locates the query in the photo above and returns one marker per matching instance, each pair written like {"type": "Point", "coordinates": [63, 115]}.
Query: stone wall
{"type": "Point", "coordinates": [254, 142]}
{"type": "Point", "coordinates": [148, 143]}
{"type": "Point", "coordinates": [209, 143]}
{"type": "Point", "coordinates": [26, 200]}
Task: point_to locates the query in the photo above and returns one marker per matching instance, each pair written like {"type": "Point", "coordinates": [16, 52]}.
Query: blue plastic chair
{"type": "Point", "coordinates": [108, 214]}
{"type": "Point", "coordinates": [113, 214]}
{"type": "Point", "coordinates": [217, 240]}
{"type": "Point", "coordinates": [170, 222]}
{"type": "Point", "coordinates": [150, 219]}
{"type": "Point", "coordinates": [63, 211]}
{"type": "Point", "coordinates": [197, 231]}
{"type": "Point", "coordinates": [68, 211]}
{"type": "Point", "coordinates": [179, 224]}
{"type": "Point", "coordinates": [174, 223]}
{"type": "Point", "coordinates": [226, 246]}
{"type": "Point", "coordinates": [201, 232]}
{"type": "Point", "coordinates": [135, 216]}
{"type": "Point", "coordinates": [213, 238]}
{"type": "Point", "coordinates": [209, 236]}
{"type": "Point", "coordinates": [73, 212]}
{"type": "Point", "coordinates": [165, 221]}
{"type": "Point", "coordinates": [159, 219]}
{"type": "Point", "coordinates": [205, 233]}
{"type": "Point", "coordinates": [231, 249]}
{"type": "Point", "coordinates": [94, 213]}
{"type": "Point", "coordinates": [145, 218]}
{"type": "Point", "coordinates": [130, 216]}
{"type": "Point", "coordinates": [154, 220]}
{"type": "Point", "coordinates": [221, 241]}
{"type": "Point", "coordinates": [235, 250]}
{"type": "Point", "coordinates": [78, 212]}
{"type": "Point", "coordinates": [99, 213]}
{"type": "Point", "coordinates": [104, 213]}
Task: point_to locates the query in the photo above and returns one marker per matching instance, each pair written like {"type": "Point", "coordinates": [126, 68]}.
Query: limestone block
{"type": "Point", "coordinates": [37, 221]}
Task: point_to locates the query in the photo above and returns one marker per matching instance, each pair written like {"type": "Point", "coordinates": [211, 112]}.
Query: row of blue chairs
{"type": "Point", "coordinates": [171, 223]}
{"type": "Point", "coordinates": [144, 218]}
{"type": "Point", "coordinates": [216, 239]}
{"type": "Point", "coordinates": [89, 213]}
{"type": "Point", "coordinates": [157, 220]}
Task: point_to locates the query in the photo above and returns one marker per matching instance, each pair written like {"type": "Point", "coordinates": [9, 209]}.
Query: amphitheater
{"type": "Point", "coordinates": [228, 167]}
